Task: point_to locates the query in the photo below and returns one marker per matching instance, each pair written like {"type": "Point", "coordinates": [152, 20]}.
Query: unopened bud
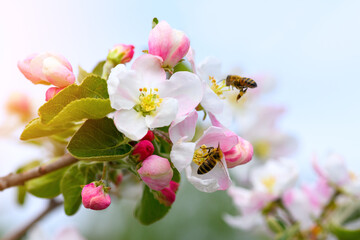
{"type": "Point", "coordinates": [51, 92]}
{"type": "Point", "coordinates": [95, 197]}
{"type": "Point", "coordinates": [143, 149]}
{"type": "Point", "coordinates": [156, 172]}
{"type": "Point", "coordinates": [121, 53]}
{"type": "Point", "coordinates": [149, 136]}
{"type": "Point", "coordinates": [241, 153]}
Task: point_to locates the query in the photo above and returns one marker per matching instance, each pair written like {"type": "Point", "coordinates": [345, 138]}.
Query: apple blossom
{"type": "Point", "coordinates": [191, 155]}
{"type": "Point", "coordinates": [142, 150]}
{"type": "Point", "coordinates": [47, 68]}
{"type": "Point", "coordinates": [121, 53]}
{"type": "Point", "coordinates": [156, 172]}
{"type": "Point", "coordinates": [168, 43]}
{"type": "Point", "coordinates": [19, 104]}
{"type": "Point", "coordinates": [94, 196]}
{"type": "Point", "coordinates": [144, 98]}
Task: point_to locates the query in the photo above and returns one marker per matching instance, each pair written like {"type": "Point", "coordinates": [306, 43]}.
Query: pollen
{"type": "Point", "coordinates": [200, 155]}
{"type": "Point", "coordinates": [269, 183]}
{"type": "Point", "coordinates": [149, 101]}
{"type": "Point", "coordinates": [220, 88]}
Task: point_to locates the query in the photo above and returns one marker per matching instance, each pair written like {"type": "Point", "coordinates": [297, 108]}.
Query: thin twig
{"type": "Point", "coordinates": [162, 135]}
{"type": "Point", "coordinates": [13, 179]}
{"type": "Point", "coordinates": [22, 231]}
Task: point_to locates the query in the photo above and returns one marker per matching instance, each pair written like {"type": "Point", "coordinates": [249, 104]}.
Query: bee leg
{"type": "Point", "coordinates": [241, 93]}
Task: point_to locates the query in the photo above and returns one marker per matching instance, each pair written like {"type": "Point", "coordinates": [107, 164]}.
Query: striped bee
{"type": "Point", "coordinates": [213, 156]}
{"type": "Point", "coordinates": [241, 83]}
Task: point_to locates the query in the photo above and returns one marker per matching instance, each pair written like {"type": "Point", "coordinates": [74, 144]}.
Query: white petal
{"type": "Point", "coordinates": [210, 67]}
{"type": "Point", "coordinates": [149, 69]}
{"type": "Point", "coordinates": [245, 222]}
{"type": "Point", "coordinates": [210, 101]}
{"type": "Point", "coordinates": [164, 114]}
{"type": "Point", "coordinates": [182, 154]}
{"type": "Point", "coordinates": [186, 87]}
{"type": "Point", "coordinates": [183, 127]}
{"type": "Point", "coordinates": [123, 87]}
{"type": "Point", "coordinates": [130, 123]}
{"type": "Point", "coordinates": [216, 179]}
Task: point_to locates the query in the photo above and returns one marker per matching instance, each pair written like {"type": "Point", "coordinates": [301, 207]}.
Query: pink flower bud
{"type": "Point", "coordinates": [149, 136]}
{"type": "Point", "coordinates": [47, 68]}
{"type": "Point", "coordinates": [143, 149]}
{"type": "Point", "coordinates": [94, 197]}
{"type": "Point", "coordinates": [119, 179]}
{"type": "Point", "coordinates": [51, 92]}
{"type": "Point", "coordinates": [121, 53]}
{"type": "Point", "coordinates": [170, 44]}
{"type": "Point", "coordinates": [19, 104]}
{"type": "Point", "coordinates": [167, 195]}
{"type": "Point", "coordinates": [156, 172]}
{"type": "Point", "coordinates": [241, 153]}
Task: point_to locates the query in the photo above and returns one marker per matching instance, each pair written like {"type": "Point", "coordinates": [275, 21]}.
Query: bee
{"type": "Point", "coordinates": [213, 156]}
{"type": "Point", "coordinates": [241, 83]}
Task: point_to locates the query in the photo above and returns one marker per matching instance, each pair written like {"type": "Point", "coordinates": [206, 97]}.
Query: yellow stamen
{"type": "Point", "coordinates": [200, 154]}
{"type": "Point", "coordinates": [269, 183]}
{"type": "Point", "coordinates": [149, 101]}
{"type": "Point", "coordinates": [218, 88]}
{"type": "Point", "coordinates": [262, 149]}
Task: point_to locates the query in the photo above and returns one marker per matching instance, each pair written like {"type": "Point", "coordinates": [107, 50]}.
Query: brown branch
{"type": "Point", "coordinates": [12, 179]}
{"type": "Point", "coordinates": [22, 231]}
{"type": "Point", "coordinates": [162, 135]}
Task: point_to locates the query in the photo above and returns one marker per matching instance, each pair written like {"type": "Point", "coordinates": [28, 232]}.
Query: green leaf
{"type": "Point", "coordinates": [90, 100]}
{"type": "Point", "coordinates": [149, 209]}
{"type": "Point", "coordinates": [176, 175]}
{"type": "Point", "coordinates": [289, 233]}
{"type": "Point", "coordinates": [36, 129]}
{"type": "Point", "coordinates": [82, 75]}
{"type": "Point", "coordinates": [77, 175]}
{"type": "Point", "coordinates": [182, 66]}
{"type": "Point", "coordinates": [343, 233]}
{"type": "Point", "coordinates": [47, 186]}
{"type": "Point", "coordinates": [99, 140]}
{"type": "Point", "coordinates": [155, 22]}
{"type": "Point", "coordinates": [98, 69]}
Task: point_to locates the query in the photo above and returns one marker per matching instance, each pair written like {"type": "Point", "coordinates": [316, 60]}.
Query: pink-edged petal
{"type": "Point", "coordinates": [216, 179]}
{"type": "Point", "coordinates": [190, 56]}
{"type": "Point", "coordinates": [130, 123]}
{"type": "Point", "coordinates": [186, 88]}
{"type": "Point", "coordinates": [164, 114]}
{"type": "Point", "coordinates": [182, 154]}
{"type": "Point", "coordinates": [160, 39]}
{"type": "Point", "coordinates": [51, 92]}
{"type": "Point", "coordinates": [210, 101]}
{"type": "Point", "coordinates": [183, 127]}
{"type": "Point", "coordinates": [123, 87]}
{"type": "Point", "coordinates": [214, 136]}
{"type": "Point", "coordinates": [36, 68]}
{"type": "Point", "coordinates": [149, 69]}
{"type": "Point", "coordinates": [180, 46]}
{"type": "Point", "coordinates": [57, 73]}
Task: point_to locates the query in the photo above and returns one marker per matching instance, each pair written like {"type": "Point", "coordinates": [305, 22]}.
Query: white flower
{"type": "Point", "coordinates": [144, 98]}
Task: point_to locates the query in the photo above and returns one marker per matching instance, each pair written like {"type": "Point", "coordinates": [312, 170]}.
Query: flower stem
{"type": "Point", "coordinates": [107, 69]}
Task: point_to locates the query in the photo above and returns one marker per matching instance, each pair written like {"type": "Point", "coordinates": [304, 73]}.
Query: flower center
{"type": "Point", "coordinates": [200, 154]}
{"type": "Point", "coordinates": [218, 88]}
{"type": "Point", "coordinates": [262, 149]}
{"type": "Point", "coordinates": [149, 101]}
{"type": "Point", "coordinates": [269, 183]}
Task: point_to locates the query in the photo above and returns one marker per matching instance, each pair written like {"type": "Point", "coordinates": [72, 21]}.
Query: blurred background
{"type": "Point", "coordinates": [310, 48]}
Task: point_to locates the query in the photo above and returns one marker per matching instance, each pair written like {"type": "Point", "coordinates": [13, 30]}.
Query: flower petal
{"type": "Point", "coordinates": [216, 179]}
{"type": "Point", "coordinates": [130, 123]}
{"type": "Point", "coordinates": [149, 69]}
{"type": "Point", "coordinates": [186, 88]}
{"type": "Point", "coordinates": [183, 127]}
{"type": "Point", "coordinates": [123, 87]}
{"type": "Point", "coordinates": [210, 67]}
{"type": "Point", "coordinates": [164, 114]}
{"type": "Point", "coordinates": [214, 136]}
{"type": "Point", "coordinates": [182, 154]}
{"type": "Point", "coordinates": [210, 101]}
